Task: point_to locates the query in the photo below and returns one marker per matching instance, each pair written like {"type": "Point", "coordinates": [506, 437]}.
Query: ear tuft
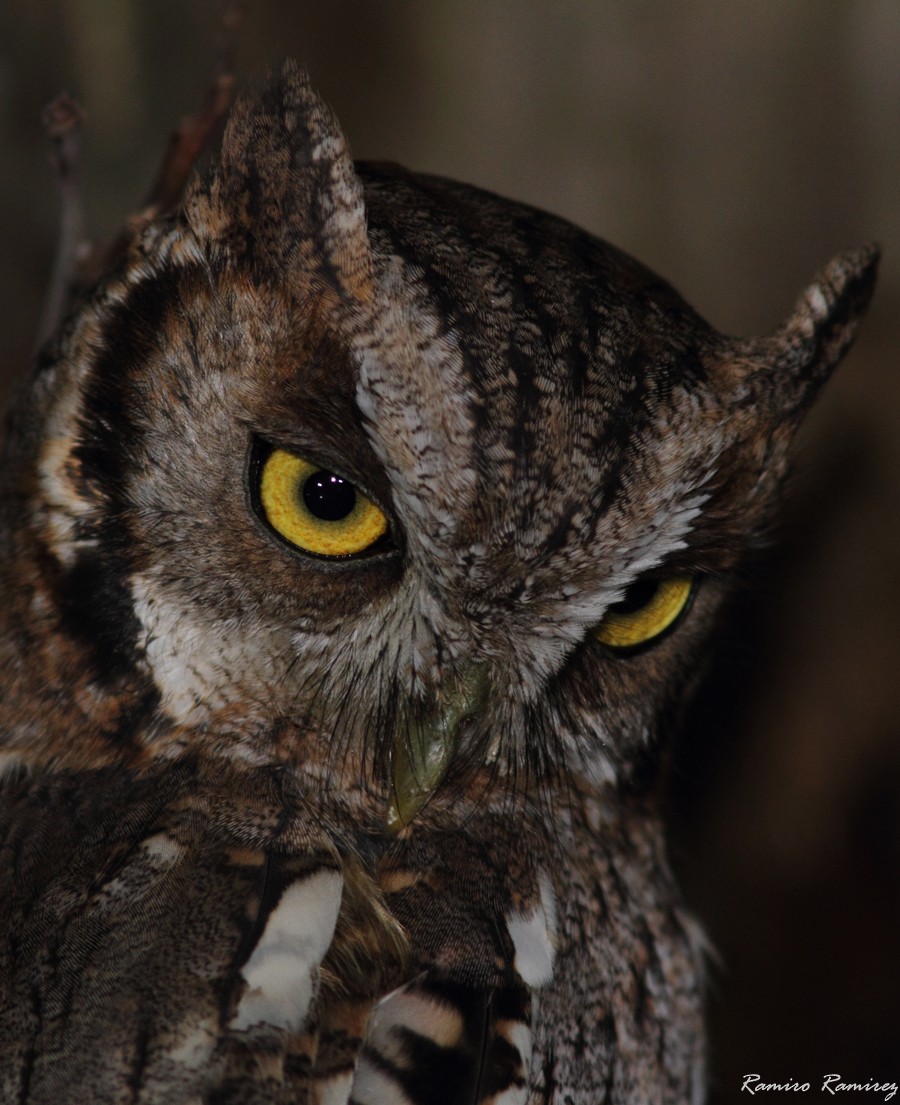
{"type": "Point", "coordinates": [285, 195]}
{"type": "Point", "coordinates": [825, 319]}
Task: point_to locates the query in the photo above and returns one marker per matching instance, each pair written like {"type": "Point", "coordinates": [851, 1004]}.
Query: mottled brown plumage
{"type": "Point", "coordinates": [284, 825]}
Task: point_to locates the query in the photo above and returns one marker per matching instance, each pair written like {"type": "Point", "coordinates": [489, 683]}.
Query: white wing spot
{"type": "Point", "coordinates": [281, 971]}
{"type": "Point", "coordinates": [195, 1045]}
{"type": "Point", "coordinates": [372, 1086]}
{"type": "Point", "coordinates": [440, 1023]}
{"type": "Point", "coordinates": [518, 1035]}
{"type": "Point", "coordinates": [336, 1090]}
{"type": "Point", "coordinates": [163, 848]}
{"type": "Point", "coordinates": [531, 937]}
{"type": "Point", "coordinates": [514, 1095]}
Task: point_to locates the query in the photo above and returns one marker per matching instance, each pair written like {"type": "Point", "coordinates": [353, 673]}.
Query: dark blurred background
{"type": "Point", "coordinates": [734, 148]}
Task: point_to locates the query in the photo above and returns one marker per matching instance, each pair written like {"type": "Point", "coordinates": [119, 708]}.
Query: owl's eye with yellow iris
{"type": "Point", "coordinates": [316, 510]}
{"type": "Point", "coordinates": [648, 608]}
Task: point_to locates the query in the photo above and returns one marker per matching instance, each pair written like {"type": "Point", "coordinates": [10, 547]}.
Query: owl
{"type": "Point", "coordinates": [361, 534]}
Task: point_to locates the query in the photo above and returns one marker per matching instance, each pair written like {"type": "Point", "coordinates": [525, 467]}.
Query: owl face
{"type": "Point", "coordinates": [360, 535]}
{"type": "Point", "coordinates": [351, 466]}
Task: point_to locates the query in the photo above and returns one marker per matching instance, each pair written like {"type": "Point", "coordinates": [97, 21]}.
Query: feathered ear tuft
{"type": "Point", "coordinates": [801, 354]}
{"type": "Point", "coordinates": [764, 386]}
{"type": "Point", "coordinates": [285, 195]}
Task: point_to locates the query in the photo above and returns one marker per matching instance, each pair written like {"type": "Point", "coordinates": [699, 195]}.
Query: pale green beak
{"type": "Point", "coordinates": [425, 746]}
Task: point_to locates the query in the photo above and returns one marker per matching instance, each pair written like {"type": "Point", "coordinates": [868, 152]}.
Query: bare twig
{"type": "Point", "coordinates": [188, 141]}
{"type": "Point", "coordinates": [78, 265]}
{"type": "Point", "coordinates": [62, 119]}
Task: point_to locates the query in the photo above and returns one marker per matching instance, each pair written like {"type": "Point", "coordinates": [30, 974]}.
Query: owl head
{"type": "Point", "coordinates": [345, 467]}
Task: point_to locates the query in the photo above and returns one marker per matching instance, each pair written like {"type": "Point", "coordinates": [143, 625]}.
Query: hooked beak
{"type": "Point", "coordinates": [425, 746]}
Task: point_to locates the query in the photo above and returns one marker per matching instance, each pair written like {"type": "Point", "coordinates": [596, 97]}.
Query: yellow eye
{"type": "Point", "coordinates": [316, 510]}
{"type": "Point", "coordinates": [649, 608]}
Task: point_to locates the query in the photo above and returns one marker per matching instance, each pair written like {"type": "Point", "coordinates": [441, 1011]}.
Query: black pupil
{"type": "Point", "coordinates": [329, 497]}
{"type": "Point", "coordinates": [636, 597]}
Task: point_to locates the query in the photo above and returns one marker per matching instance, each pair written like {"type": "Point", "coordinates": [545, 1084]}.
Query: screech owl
{"type": "Point", "coordinates": [361, 532]}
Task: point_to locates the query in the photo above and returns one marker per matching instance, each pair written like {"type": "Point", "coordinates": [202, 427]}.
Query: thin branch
{"type": "Point", "coordinates": [62, 120]}
{"type": "Point", "coordinates": [77, 265]}
{"type": "Point", "coordinates": [188, 141]}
